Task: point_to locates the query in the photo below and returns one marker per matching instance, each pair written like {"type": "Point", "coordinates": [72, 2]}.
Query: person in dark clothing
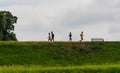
{"type": "Point", "coordinates": [70, 36]}
{"type": "Point", "coordinates": [81, 36]}
{"type": "Point", "coordinates": [52, 36]}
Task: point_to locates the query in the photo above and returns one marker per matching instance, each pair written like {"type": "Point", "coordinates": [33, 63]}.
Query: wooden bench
{"type": "Point", "coordinates": [97, 39]}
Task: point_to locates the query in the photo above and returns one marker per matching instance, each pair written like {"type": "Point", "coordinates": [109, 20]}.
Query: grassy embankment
{"type": "Point", "coordinates": [57, 57]}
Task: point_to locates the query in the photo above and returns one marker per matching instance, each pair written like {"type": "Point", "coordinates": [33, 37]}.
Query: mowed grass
{"type": "Point", "coordinates": [59, 53]}
{"type": "Point", "coordinates": [59, 57]}
{"type": "Point", "coordinates": [68, 69]}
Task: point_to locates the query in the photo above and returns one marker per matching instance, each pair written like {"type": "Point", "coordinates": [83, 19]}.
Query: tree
{"type": "Point", "coordinates": [6, 26]}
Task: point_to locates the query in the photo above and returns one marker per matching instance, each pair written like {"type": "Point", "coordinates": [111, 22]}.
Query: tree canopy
{"type": "Point", "coordinates": [6, 26]}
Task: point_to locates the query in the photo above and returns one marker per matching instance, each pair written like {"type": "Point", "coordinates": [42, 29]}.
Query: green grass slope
{"type": "Point", "coordinates": [59, 53]}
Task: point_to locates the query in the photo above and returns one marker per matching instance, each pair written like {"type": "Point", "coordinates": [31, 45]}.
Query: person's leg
{"type": "Point", "coordinates": [81, 38]}
{"type": "Point", "coordinates": [53, 39]}
{"type": "Point", "coordinates": [70, 38]}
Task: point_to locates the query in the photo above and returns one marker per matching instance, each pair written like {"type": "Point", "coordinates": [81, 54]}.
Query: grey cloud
{"type": "Point", "coordinates": [114, 28]}
{"type": "Point", "coordinates": [107, 3]}
{"type": "Point", "coordinates": [99, 11]}
{"type": "Point", "coordinates": [7, 3]}
{"type": "Point", "coordinates": [76, 18]}
{"type": "Point", "coordinates": [115, 31]}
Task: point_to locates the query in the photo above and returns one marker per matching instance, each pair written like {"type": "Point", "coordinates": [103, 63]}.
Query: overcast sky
{"type": "Point", "coordinates": [36, 18]}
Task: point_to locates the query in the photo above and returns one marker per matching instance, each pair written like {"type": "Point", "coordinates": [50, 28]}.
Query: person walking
{"type": "Point", "coordinates": [81, 36]}
{"type": "Point", "coordinates": [70, 36]}
{"type": "Point", "coordinates": [52, 36]}
{"type": "Point", "coordinates": [49, 37]}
